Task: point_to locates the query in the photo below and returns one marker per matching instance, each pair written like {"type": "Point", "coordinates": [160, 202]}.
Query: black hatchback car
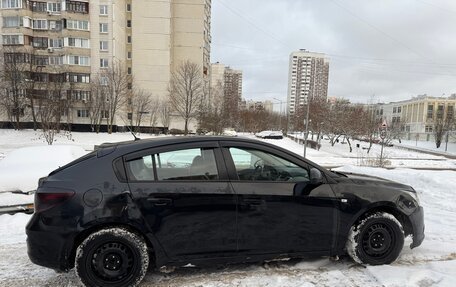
{"type": "Point", "coordinates": [210, 200]}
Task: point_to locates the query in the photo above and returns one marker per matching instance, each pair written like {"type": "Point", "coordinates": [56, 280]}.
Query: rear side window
{"type": "Point", "coordinates": [187, 164]}
{"type": "Point", "coordinates": [141, 169]}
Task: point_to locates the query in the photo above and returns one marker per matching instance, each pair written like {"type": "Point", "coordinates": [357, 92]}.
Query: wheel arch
{"type": "Point", "coordinates": [81, 236]}
{"type": "Point", "coordinates": [387, 207]}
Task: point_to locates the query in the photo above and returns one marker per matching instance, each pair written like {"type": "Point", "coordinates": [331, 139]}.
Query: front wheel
{"type": "Point", "coordinates": [377, 239]}
{"type": "Point", "coordinates": [112, 257]}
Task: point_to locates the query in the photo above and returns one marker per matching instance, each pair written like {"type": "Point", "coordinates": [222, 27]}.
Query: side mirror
{"type": "Point", "coordinates": [316, 177]}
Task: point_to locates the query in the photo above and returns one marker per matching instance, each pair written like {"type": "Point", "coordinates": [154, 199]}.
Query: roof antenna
{"type": "Point", "coordinates": [133, 134]}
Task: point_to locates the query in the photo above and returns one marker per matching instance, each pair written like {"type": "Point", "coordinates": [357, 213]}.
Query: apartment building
{"type": "Point", "coordinates": [308, 76]}
{"type": "Point", "coordinates": [78, 39]}
{"type": "Point", "coordinates": [416, 117]}
{"type": "Point", "coordinates": [252, 105]}
{"type": "Point", "coordinates": [227, 82]}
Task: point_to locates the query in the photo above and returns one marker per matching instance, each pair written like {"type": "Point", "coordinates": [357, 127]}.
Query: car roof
{"type": "Point", "coordinates": [134, 145]}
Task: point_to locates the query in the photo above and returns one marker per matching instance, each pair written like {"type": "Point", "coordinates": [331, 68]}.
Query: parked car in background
{"type": "Point", "coordinates": [172, 201]}
{"type": "Point", "coordinates": [270, 135]}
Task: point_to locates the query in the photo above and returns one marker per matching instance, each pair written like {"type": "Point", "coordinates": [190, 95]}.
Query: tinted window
{"type": "Point", "coordinates": [189, 164]}
{"type": "Point", "coordinates": [141, 169]}
{"type": "Point", "coordinates": [256, 165]}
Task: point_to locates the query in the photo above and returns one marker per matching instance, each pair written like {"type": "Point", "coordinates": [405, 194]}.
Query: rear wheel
{"type": "Point", "coordinates": [375, 240]}
{"type": "Point", "coordinates": [112, 257]}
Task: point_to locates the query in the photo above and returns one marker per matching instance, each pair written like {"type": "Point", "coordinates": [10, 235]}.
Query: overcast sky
{"type": "Point", "coordinates": [385, 50]}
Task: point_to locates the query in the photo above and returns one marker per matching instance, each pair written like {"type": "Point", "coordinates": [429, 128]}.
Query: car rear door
{"type": "Point", "coordinates": [185, 197]}
{"type": "Point", "coordinates": [272, 216]}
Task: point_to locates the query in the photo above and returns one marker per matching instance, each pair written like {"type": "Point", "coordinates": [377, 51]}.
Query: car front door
{"type": "Point", "coordinates": [186, 199]}
{"type": "Point", "coordinates": [279, 209]}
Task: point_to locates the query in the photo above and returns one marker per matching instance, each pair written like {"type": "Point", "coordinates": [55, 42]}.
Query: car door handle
{"type": "Point", "coordinates": [160, 201]}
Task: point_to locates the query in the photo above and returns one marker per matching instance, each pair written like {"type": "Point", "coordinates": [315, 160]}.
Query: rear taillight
{"type": "Point", "coordinates": [45, 200]}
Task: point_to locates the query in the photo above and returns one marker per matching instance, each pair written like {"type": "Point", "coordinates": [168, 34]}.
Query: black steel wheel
{"type": "Point", "coordinates": [112, 257]}
{"type": "Point", "coordinates": [375, 240]}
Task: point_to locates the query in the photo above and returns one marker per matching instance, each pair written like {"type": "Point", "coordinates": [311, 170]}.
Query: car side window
{"type": "Point", "coordinates": [187, 164]}
{"type": "Point", "coordinates": [141, 169]}
{"type": "Point", "coordinates": [256, 165]}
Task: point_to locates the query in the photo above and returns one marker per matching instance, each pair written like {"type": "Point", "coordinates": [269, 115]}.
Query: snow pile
{"type": "Point", "coordinates": [21, 168]}
{"type": "Point", "coordinates": [12, 228]}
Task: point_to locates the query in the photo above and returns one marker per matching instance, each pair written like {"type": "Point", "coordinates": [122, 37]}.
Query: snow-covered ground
{"type": "Point", "coordinates": [431, 264]}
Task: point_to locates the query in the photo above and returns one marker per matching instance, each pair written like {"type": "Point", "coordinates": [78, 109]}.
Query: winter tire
{"type": "Point", "coordinates": [377, 239]}
{"type": "Point", "coordinates": [112, 257]}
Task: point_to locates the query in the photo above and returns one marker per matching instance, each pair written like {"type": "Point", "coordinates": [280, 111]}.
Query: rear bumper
{"type": "Point", "coordinates": [47, 248]}
{"type": "Point", "coordinates": [417, 220]}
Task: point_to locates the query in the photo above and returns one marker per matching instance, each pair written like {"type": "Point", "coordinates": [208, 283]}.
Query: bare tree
{"type": "Point", "coordinates": [118, 85]}
{"type": "Point", "coordinates": [186, 91]}
{"type": "Point", "coordinates": [15, 70]}
{"type": "Point", "coordinates": [211, 116]}
{"type": "Point", "coordinates": [352, 123]}
{"type": "Point", "coordinates": [97, 102]}
{"type": "Point", "coordinates": [52, 104]}
{"type": "Point", "coordinates": [334, 120]}
{"type": "Point", "coordinates": [141, 103]}
{"type": "Point", "coordinates": [164, 112]}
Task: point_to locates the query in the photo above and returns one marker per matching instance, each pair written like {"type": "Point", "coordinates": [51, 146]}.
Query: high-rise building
{"type": "Point", "coordinates": [307, 78]}
{"type": "Point", "coordinates": [227, 82]}
{"type": "Point", "coordinates": [226, 91]}
{"type": "Point", "coordinates": [76, 39]}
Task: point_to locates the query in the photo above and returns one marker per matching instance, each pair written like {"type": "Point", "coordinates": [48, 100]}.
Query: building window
{"type": "Point", "coordinates": [440, 111]}
{"type": "Point", "coordinates": [103, 27]}
{"type": "Point", "coordinates": [77, 25]}
{"type": "Point", "coordinates": [394, 110]}
{"type": "Point", "coordinates": [40, 60]}
{"type": "Point", "coordinates": [129, 55]}
{"type": "Point", "coordinates": [55, 60]}
{"type": "Point", "coordinates": [77, 42]}
{"type": "Point", "coordinates": [129, 70]}
{"type": "Point", "coordinates": [13, 39]}
{"type": "Point", "coordinates": [103, 45]}
{"type": "Point", "coordinates": [128, 23]}
{"type": "Point", "coordinates": [54, 7]}
{"type": "Point", "coordinates": [128, 7]}
{"type": "Point", "coordinates": [78, 78]}
{"type": "Point", "coordinates": [129, 39]}
{"type": "Point", "coordinates": [79, 60]}
{"type": "Point", "coordinates": [83, 113]}
{"type": "Point", "coordinates": [104, 63]}
{"type": "Point", "coordinates": [40, 24]}
{"type": "Point", "coordinates": [78, 95]}
{"type": "Point", "coordinates": [130, 116]}
{"type": "Point", "coordinates": [450, 112]}
{"type": "Point", "coordinates": [428, 129]}
{"type": "Point", "coordinates": [104, 81]}
{"type": "Point", "coordinates": [12, 22]}
{"type": "Point", "coordinates": [105, 114]}
{"type": "Point", "coordinates": [17, 57]}
{"type": "Point", "coordinates": [55, 25]}
{"type": "Point", "coordinates": [10, 4]}
{"type": "Point", "coordinates": [39, 6]}
{"type": "Point", "coordinates": [56, 43]}
{"type": "Point", "coordinates": [430, 111]}
{"type": "Point", "coordinates": [103, 9]}
{"type": "Point", "coordinates": [399, 109]}
{"type": "Point", "coordinates": [129, 86]}
{"type": "Point", "coordinates": [78, 7]}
